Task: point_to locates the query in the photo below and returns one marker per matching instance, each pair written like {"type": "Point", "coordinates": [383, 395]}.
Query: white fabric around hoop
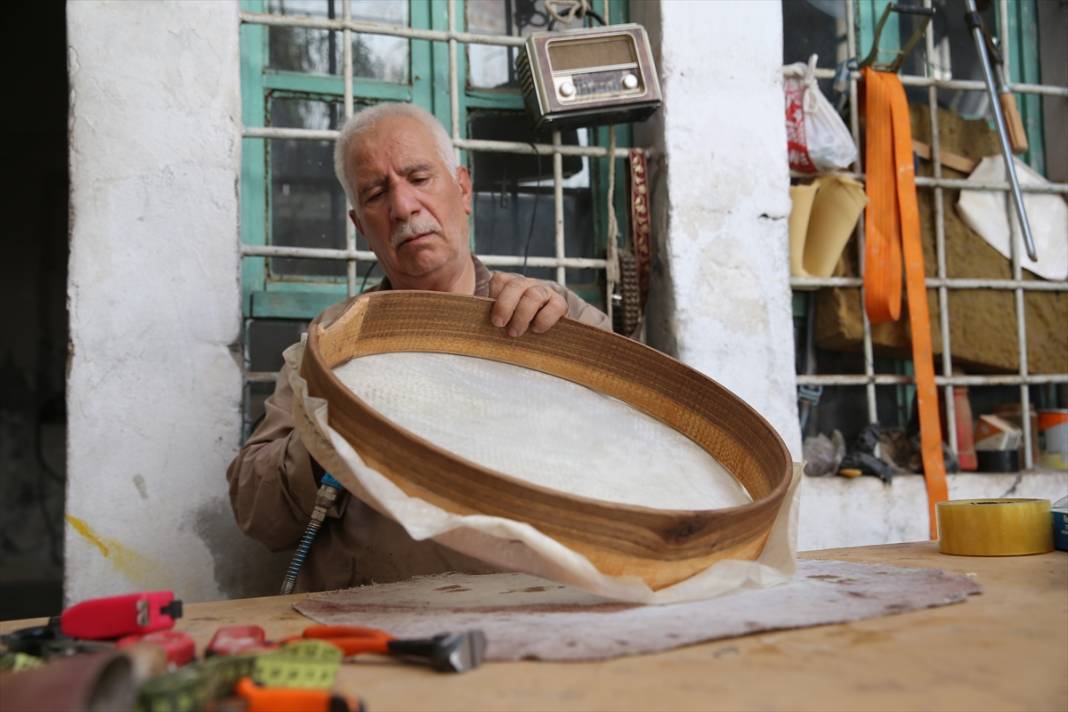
{"type": "Point", "coordinates": [547, 431]}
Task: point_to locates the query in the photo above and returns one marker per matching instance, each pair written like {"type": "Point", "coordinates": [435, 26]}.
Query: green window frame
{"type": "Point", "coordinates": [1023, 57]}
{"type": "Point", "coordinates": [264, 297]}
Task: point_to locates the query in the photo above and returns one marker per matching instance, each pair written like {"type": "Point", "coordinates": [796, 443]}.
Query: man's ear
{"type": "Point", "coordinates": [356, 221]}
{"type": "Point", "coordinates": [463, 177]}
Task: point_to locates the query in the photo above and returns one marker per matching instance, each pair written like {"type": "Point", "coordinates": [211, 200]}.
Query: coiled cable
{"type": "Point", "coordinates": [324, 500]}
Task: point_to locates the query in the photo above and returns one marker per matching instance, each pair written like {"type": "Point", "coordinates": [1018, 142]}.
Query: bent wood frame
{"type": "Point", "coordinates": [660, 546]}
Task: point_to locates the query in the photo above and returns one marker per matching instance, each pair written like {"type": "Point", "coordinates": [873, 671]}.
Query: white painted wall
{"type": "Point", "coordinates": [154, 384]}
{"type": "Point", "coordinates": [723, 200]}
{"type": "Point", "coordinates": [724, 305]}
{"type": "Point", "coordinates": [837, 511]}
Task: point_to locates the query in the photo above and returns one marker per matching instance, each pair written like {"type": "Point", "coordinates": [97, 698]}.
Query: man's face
{"type": "Point", "coordinates": [410, 208]}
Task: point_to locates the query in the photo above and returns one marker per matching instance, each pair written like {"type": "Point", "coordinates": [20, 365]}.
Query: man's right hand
{"type": "Point", "coordinates": [524, 303]}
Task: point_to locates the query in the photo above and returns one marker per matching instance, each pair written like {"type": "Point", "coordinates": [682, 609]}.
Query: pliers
{"type": "Point", "coordinates": [447, 652]}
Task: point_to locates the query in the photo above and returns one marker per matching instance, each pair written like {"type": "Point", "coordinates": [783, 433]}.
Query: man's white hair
{"type": "Point", "coordinates": [365, 120]}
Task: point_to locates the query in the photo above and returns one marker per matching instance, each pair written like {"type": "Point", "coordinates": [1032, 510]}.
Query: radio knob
{"type": "Point", "coordinates": [567, 89]}
{"type": "Point", "coordinates": [630, 81]}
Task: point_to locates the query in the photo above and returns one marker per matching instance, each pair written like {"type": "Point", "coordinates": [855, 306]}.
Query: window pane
{"type": "Point", "coordinates": [508, 219]}
{"type": "Point", "coordinates": [814, 27]}
{"type": "Point", "coordinates": [514, 194]}
{"type": "Point", "coordinates": [492, 66]}
{"type": "Point", "coordinates": [266, 339]}
{"type": "Point", "coordinates": [308, 207]}
{"type": "Point", "coordinates": [307, 204]}
{"type": "Point", "coordinates": [319, 51]}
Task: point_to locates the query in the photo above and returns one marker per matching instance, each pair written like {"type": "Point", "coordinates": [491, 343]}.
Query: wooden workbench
{"type": "Point", "coordinates": [1004, 649]}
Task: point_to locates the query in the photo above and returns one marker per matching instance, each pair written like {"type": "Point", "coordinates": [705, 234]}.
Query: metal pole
{"type": "Point", "coordinates": [973, 19]}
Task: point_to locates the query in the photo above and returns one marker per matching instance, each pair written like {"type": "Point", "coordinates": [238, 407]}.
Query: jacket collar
{"type": "Point", "coordinates": [482, 279]}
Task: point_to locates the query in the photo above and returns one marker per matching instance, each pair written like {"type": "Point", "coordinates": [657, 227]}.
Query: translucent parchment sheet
{"type": "Point", "coordinates": [547, 431]}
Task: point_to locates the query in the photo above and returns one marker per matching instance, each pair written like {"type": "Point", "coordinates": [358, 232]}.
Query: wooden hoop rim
{"type": "Point", "coordinates": [661, 546]}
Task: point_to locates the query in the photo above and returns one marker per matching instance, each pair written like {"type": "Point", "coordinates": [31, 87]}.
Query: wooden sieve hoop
{"type": "Point", "coordinates": [658, 545]}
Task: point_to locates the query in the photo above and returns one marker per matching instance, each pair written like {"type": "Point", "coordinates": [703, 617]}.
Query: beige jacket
{"type": "Point", "coordinates": [273, 482]}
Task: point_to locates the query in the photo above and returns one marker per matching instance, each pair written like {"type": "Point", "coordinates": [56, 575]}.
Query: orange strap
{"type": "Point", "coordinates": [892, 232]}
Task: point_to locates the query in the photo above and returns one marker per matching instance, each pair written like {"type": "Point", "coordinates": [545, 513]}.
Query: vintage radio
{"type": "Point", "coordinates": [589, 77]}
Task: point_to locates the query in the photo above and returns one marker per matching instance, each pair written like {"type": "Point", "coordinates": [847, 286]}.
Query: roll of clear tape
{"type": "Point", "coordinates": [994, 527]}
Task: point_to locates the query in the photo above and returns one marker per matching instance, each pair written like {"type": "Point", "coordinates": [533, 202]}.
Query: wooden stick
{"type": "Point", "coordinates": [952, 160]}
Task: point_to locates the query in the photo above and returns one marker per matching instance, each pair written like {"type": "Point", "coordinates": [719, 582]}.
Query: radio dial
{"type": "Point", "coordinates": [630, 81]}
{"type": "Point", "coordinates": [567, 89]}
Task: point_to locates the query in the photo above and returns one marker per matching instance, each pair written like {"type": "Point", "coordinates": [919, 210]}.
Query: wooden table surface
{"type": "Point", "coordinates": [1004, 649]}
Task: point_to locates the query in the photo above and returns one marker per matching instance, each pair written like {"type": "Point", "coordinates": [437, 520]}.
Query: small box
{"type": "Point", "coordinates": [1060, 524]}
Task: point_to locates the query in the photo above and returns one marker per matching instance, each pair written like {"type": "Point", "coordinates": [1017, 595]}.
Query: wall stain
{"type": "Point", "coordinates": [133, 565]}
{"type": "Point", "coordinates": [241, 565]}
{"type": "Point", "coordinates": [90, 536]}
{"type": "Point", "coordinates": [139, 483]}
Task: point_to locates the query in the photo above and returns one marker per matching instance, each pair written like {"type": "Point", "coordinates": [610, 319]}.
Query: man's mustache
{"type": "Point", "coordinates": [413, 228]}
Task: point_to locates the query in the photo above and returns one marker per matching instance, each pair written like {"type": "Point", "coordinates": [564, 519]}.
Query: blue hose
{"type": "Point", "coordinates": [329, 488]}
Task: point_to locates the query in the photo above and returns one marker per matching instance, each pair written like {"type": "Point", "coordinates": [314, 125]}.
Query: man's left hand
{"type": "Point", "coordinates": [524, 303]}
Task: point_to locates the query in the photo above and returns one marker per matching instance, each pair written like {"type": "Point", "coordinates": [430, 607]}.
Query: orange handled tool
{"type": "Point", "coordinates": [287, 699]}
{"type": "Point", "coordinates": [352, 639]}
{"type": "Point", "coordinates": [447, 652]}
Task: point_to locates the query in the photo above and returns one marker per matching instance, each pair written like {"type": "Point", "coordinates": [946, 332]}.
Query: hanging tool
{"type": "Point", "coordinates": [925, 13]}
{"type": "Point", "coordinates": [1013, 123]}
{"type": "Point", "coordinates": [329, 488]}
{"type": "Point", "coordinates": [975, 22]}
{"type": "Point", "coordinates": [447, 652]}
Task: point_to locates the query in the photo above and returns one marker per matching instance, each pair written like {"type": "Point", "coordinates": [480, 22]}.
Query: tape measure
{"type": "Point", "coordinates": [299, 664]}
{"type": "Point", "coordinates": [189, 688]}
{"type": "Point", "coordinates": [995, 527]}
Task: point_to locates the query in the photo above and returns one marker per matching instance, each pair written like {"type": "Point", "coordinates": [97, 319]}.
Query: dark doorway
{"type": "Point", "coordinates": [33, 321]}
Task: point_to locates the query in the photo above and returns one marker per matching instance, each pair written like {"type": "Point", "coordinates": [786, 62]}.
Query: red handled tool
{"type": "Point", "coordinates": [178, 646]}
{"type": "Point", "coordinates": [234, 639]}
{"type": "Point", "coordinates": [118, 616]}
{"type": "Point", "coordinates": [448, 652]}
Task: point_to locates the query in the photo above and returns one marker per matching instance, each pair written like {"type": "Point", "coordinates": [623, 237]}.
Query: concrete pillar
{"type": "Point", "coordinates": [721, 299]}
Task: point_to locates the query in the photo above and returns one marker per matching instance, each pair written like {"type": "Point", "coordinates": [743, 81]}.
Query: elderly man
{"type": "Point", "coordinates": [411, 201]}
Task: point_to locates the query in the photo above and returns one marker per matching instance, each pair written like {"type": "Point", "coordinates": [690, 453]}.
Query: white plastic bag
{"type": "Point", "coordinates": [817, 138]}
{"type": "Point", "coordinates": [988, 214]}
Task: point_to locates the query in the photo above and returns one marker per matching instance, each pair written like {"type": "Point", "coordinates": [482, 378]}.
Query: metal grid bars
{"type": "Point", "coordinates": [346, 25]}
{"type": "Point", "coordinates": [943, 283]}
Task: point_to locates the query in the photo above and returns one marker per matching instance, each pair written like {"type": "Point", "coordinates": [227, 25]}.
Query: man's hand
{"type": "Point", "coordinates": [524, 303]}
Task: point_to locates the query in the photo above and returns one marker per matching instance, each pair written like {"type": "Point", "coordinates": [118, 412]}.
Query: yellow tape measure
{"type": "Point", "coordinates": [995, 527]}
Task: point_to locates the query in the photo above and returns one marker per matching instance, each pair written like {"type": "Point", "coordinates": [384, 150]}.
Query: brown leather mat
{"type": "Point", "coordinates": [527, 618]}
